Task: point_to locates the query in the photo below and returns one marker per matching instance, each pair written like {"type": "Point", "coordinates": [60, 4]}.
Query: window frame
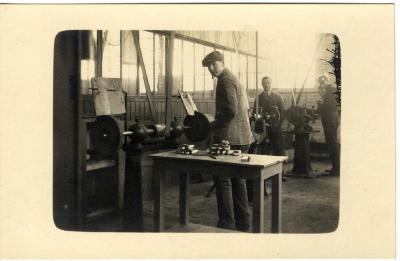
{"type": "Point", "coordinates": [196, 90]}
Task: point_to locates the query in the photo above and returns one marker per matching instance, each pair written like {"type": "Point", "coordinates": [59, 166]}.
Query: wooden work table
{"type": "Point", "coordinates": [259, 168]}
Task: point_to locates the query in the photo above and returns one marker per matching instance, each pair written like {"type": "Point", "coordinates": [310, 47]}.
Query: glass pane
{"type": "Point", "coordinates": [251, 76]}
{"type": "Point", "coordinates": [243, 70]}
{"type": "Point", "coordinates": [188, 66]}
{"type": "Point", "coordinates": [209, 82]}
{"type": "Point", "coordinates": [160, 64]}
{"type": "Point", "coordinates": [146, 45]}
{"type": "Point", "coordinates": [199, 70]}
{"type": "Point", "coordinates": [129, 64]}
{"type": "Point", "coordinates": [263, 70]}
{"type": "Point", "coordinates": [111, 54]}
{"type": "Point", "coordinates": [88, 65]}
{"type": "Point", "coordinates": [228, 60]}
{"type": "Point", "coordinates": [177, 66]}
{"type": "Point", "coordinates": [87, 72]}
{"type": "Point", "coordinates": [235, 64]}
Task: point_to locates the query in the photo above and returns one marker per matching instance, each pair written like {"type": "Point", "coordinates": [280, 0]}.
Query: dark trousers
{"type": "Point", "coordinates": [332, 144]}
{"type": "Point", "coordinates": [233, 206]}
{"type": "Point", "coordinates": [273, 145]}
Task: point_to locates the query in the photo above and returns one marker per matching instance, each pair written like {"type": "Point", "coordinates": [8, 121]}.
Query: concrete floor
{"type": "Point", "coordinates": [308, 205]}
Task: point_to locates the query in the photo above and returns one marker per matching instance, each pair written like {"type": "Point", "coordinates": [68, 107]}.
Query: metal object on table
{"type": "Point", "coordinates": [205, 154]}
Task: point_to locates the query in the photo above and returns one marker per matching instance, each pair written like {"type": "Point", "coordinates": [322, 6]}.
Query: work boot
{"type": "Point", "coordinates": [225, 225]}
{"type": "Point", "coordinates": [332, 172]}
{"type": "Point", "coordinates": [243, 227]}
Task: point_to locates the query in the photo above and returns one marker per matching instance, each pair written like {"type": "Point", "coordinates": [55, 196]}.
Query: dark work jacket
{"type": "Point", "coordinates": [231, 111]}
{"type": "Point", "coordinates": [328, 108]}
{"type": "Point", "coordinates": [274, 99]}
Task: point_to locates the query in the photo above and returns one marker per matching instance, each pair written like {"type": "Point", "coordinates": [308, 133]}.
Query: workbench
{"type": "Point", "coordinates": [259, 168]}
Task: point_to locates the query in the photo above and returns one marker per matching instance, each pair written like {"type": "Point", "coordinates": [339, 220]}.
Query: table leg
{"type": "Point", "coordinates": [184, 198]}
{"type": "Point", "coordinates": [258, 205]}
{"type": "Point", "coordinates": [158, 199]}
{"type": "Point", "coordinates": [276, 206]}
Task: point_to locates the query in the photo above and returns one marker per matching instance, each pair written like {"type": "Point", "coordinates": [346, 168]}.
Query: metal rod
{"type": "Point", "coordinates": [99, 54]}
{"type": "Point", "coordinates": [256, 72]}
{"type": "Point", "coordinates": [120, 56]}
{"type": "Point", "coordinates": [145, 78]}
{"type": "Point", "coordinates": [154, 64]}
{"type": "Point", "coordinates": [169, 80]}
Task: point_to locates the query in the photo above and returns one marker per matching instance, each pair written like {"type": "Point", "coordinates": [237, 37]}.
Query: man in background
{"type": "Point", "coordinates": [231, 124]}
{"type": "Point", "coordinates": [269, 101]}
{"type": "Point", "coordinates": [327, 108]}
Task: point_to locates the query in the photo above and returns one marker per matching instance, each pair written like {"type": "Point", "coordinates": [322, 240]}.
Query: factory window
{"type": "Point", "coordinates": [129, 63]}
{"type": "Point", "coordinates": [228, 60]}
{"type": "Point", "coordinates": [188, 66]}
{"type": "Point", "coordinates": [251, 76]}
{"type": "Point", "coordinates": [243, 70]}
{"type": "Point", "coordinates": [87, 72]}
{"type": "Point", "coordinates": [199, 70]}
{"type": "Point", "coordinates": [153, 52]}
{"type": "Point", "coordinates": [235, 64]}
{"type": "Point", "coordinates": [111, 54]}
{"type": "Point", "coordinates": [188, 73]}
{"type": "Point", "coordinates": [146, 40]}
{"type": "Point", "coordinates": [159, 64]}
{"type": "Point", "coordinates": [88, 63]}
{"type": "Point", "coordinates": [177, 69]}
{"type": "Point", "coordinates": [263, 70]}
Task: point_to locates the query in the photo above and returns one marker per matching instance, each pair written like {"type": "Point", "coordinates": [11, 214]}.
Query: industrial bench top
{"type": "Point", "coordinates": [259, 168]}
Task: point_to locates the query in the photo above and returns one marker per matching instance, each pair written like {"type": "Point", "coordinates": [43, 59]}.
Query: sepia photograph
{"type": "Point", "coordinates": [197, 131]}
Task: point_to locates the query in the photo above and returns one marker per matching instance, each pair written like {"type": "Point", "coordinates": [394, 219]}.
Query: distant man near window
{"type": "Point", "coordinates": [267, 101]}
{"type": "Point", "coordinates": [232, 124]}
{"type": "Point", "coordinates": [273, 144]}
{"type": "Point", "coordinates": [327, 108]}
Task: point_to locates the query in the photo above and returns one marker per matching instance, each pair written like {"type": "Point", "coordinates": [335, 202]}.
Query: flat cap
{"type": "Point", "coordinates": [212, 57]}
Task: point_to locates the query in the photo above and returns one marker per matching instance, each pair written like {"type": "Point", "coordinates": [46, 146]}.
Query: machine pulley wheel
{"type": "Point", "coordinates": [105, 136]}
{"type": "Point", "coordinates": [272, 116]}
{"type": "Point", "coordinates": [198, 126]}
{"type": "Point", "coordinates": [296, 115]}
